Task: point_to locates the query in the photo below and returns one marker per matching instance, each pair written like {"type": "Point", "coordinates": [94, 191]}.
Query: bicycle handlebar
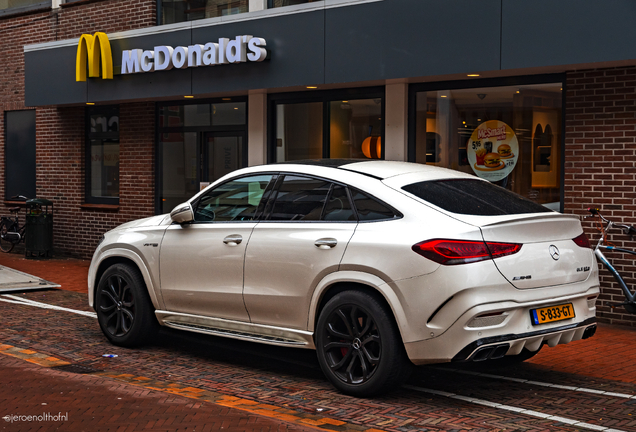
{"type": "Point", "coordinates": [627, 229]}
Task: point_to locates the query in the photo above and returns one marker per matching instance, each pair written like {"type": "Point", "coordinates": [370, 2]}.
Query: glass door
{"type": "Point", "coordinates": [221, 153]}
{"type": "Point", "coordinates": [190, 161]}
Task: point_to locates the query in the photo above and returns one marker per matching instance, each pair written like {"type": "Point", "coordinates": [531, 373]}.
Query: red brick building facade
{"type": "Point", "coordinates": [61, 131]}
{"type": "Point", "coordinates": [600, 163]}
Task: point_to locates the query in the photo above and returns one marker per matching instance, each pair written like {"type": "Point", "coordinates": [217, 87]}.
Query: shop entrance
{"type": "Point", "coordinates": [197, 144]}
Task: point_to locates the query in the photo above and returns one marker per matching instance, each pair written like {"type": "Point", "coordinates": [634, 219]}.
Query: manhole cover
{"type": "Point", "coordinates": [76, 368]}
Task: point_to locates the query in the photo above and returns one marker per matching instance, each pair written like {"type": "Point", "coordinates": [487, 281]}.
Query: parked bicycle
{"type": "Point", "coordinates": [11, 232]}
{"type": "Point", "coordinates": [604, 225]}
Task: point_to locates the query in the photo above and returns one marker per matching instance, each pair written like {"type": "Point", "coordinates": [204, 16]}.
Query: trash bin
{"type": "Point", "coordinates": [39, 228]}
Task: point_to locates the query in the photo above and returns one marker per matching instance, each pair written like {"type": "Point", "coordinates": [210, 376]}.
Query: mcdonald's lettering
{"type": "Point", "coordinates": [239, 50]}
{"type": "Point", "coordinates": [89, 50]}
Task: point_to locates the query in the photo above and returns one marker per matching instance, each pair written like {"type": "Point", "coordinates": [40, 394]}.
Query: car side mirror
{"type": "Point", "coordinates": [182, 213]}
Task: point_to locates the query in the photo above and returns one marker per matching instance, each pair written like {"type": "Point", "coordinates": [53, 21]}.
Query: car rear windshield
{"type": "Point", "coordinates": [473, 197]}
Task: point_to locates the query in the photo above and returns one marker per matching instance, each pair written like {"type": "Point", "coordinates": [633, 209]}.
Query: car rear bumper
{"type": "Point", "coordinates": [492, 330]}
{"type": "Point", "coordinates": [511, 344]}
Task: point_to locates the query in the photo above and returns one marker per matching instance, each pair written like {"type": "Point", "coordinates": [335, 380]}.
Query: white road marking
{"type": "Point", "coordinates": [23, 301]}
{"type": "Point", "coordinates": [514, 409]}
{"type": "Point", "coordinates": [542, 384]}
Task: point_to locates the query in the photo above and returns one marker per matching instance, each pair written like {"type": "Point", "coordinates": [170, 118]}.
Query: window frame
{"type": "Point", "coordinates": [88, 198]}
{"type": "Point", "coordinates": [325, 97]}
{"type": "Point", "coordinates": [414, 89]}
{"type": "Point", "coordinates": [263, 216]}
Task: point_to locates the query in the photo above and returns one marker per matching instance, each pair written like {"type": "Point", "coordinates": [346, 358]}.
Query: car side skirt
{"type": "Point", "coordinates": [236, 329]}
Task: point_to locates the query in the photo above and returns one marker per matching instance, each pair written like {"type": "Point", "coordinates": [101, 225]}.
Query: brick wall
{"type": "Point", "coordinates": [60, 174]}
{"type": "Point", "coordinates": [60, 135]}
{"type": "Point", "coordinates": [600, 166]}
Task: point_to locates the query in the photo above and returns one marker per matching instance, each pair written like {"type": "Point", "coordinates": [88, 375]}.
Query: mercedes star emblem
{"type": "Point", "coordinates": [554, 252]}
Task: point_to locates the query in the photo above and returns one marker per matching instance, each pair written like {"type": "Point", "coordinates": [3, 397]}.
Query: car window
{"type": "Point", "coordinates": [338, 207]}
{"type": "Point", "coordinates": [236, 200]}
{"type": "Point", "coordinates": [300, 199]}
{"type": "Point", "coordinates": [370, 209]}
{"type": "Point", "coordinates": [473, 197]}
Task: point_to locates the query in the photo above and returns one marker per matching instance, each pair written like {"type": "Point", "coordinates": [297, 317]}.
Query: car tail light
{"type": "Point", "coordinates": [582, 241]}
{"type": "Point", "coordinates": [452, 252]}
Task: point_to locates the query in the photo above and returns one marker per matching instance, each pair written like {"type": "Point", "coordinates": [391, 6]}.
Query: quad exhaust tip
{"type": "Point", "coordinates": [490, 352]}
{"type": "Point", "coordinates": [589, 332]}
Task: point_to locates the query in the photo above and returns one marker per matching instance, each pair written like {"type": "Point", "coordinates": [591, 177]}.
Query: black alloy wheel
{"type": "Point", "coordinates": [359, 346]}
{"type": "Point", "coordinates": [353, 347]}
{"type": "Point", "coordinates": [123, 306]}
{"type": "Point", "coordinates": [118, 306]}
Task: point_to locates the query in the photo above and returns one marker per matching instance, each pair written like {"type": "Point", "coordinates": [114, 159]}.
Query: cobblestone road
{"type": "Point", "coordinates": [586, 385]}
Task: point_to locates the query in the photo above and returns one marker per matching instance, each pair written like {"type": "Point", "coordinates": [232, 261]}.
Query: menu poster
{"type": "Point", "coordinates": [493, 150]}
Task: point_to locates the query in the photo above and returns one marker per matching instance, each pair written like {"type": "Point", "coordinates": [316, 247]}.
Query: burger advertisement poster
{"type": "Point", "coordinates": [493, 150]}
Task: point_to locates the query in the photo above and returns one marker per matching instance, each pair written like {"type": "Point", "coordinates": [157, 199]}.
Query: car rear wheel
{"type": "Point", "coordinates": [124, 310]}
{"type": "Point", "coordinates": [359, 346]}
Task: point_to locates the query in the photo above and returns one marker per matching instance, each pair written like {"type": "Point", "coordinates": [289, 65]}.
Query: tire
{"type": "Point", "coordinates": [359, 346]}
{"type": "Point", "coordinates": [5, 245]}
{"type": "Point", "coordinates": [124, 310]}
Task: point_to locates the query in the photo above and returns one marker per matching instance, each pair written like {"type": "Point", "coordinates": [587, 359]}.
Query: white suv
{"type": "Point", "coordinates": [371, 263]}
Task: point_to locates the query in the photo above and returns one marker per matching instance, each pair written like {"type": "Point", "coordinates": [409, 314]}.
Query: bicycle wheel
{"type": "Point", "coordinates": [5, 245]}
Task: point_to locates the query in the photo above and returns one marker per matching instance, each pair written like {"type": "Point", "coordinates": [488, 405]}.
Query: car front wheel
{"type": "Point", "coordinates": [359, 346]}
{"type": "Point", "coordinates": [123, 307]}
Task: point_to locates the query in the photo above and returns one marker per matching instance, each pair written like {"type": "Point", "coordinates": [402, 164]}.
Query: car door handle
{"type": "Point", "coordinates": [233, 240]}
{"type": "Point", "coordinates": [326, 243]}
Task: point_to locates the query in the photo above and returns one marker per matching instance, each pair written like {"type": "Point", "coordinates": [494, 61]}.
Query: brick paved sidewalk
{"type": "Point", "coordinates": [94, 403]}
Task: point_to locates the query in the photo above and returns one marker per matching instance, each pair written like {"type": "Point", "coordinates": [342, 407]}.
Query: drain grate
{"type": "Point", "coordinates": [77, 368]}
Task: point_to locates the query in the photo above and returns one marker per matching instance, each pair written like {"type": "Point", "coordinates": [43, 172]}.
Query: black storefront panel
{"type": "Point", "coordinates": [50, 77]}
{"type": "Point", "coordinates": [411, 38]}
{"type": "Point", "coordinates": [567, 32]}
{"type": "Point", "coordinates": [360, 42]}
{"type": "Point", "coordinates": [295, 45]}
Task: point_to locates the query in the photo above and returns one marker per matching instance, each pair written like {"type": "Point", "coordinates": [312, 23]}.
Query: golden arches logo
{"type": "Point", "coordinates": [90, 49]}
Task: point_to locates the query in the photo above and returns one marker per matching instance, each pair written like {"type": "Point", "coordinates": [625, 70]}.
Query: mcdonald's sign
{"type": "Point", "coordinates": [89, 50]}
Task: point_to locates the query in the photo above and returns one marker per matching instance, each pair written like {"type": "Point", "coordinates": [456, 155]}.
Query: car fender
{"type": "Point", "coordinates": [372, 281]}
{"type": "Point", "coordinates": [139, 262]}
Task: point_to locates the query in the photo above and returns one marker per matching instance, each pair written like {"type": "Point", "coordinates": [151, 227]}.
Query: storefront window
{"type": "Point", "coordinates": [355, 127]}
{"type": "Point", "coordinates": [215, 114]}
{"type": "Point", "coordinates": [102, 156]}
{"type": "Point", "coordinates": [174, 11]}
{"type": "Point", "coordinates": [178, 168]}
{"type": "Point", "coordinates": [509, 135]}
{"type": "Point", "coordinates": [299, 131]}
{"type": "Point", "coordinates": [331, 126]}
{"type": "Point", "coordinates": [198, 144]}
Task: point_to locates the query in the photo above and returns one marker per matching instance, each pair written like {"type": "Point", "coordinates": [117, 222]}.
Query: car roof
{"type": "Point", "coordinates": [379, 169]}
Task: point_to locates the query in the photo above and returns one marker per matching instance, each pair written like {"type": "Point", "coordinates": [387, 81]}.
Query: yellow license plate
{"type": "Point", "coordinates": [552, 313]}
